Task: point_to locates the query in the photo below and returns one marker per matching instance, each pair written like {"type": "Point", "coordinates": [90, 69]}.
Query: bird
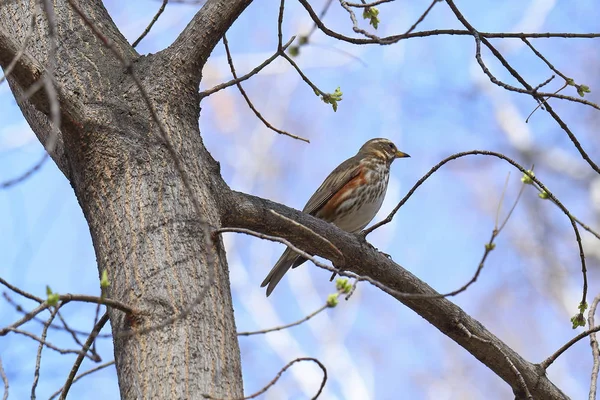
{"type": "Point", "coordinates": [349, 197]}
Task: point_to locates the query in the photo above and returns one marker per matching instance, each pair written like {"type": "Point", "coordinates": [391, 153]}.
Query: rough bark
{"type": "Point", "coordinates": [146, 232]}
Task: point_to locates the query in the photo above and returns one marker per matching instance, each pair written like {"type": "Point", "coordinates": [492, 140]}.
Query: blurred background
{"type": "Point", "coordinates": [430, 97]}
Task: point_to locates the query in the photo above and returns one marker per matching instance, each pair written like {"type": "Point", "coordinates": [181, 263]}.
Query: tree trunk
{"type": "Point", "coordinates": [145, 227]}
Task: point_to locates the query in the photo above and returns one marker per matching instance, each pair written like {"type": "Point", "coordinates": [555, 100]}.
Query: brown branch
{"type": "Point", "coordinates": [373, 4]}
{"type": "Point", "coordinates": [49, 345]}
{"type": "Point", "coordinates": [88, 372]}
{"type": "Point", "coordinates": [422, 17]}
{"type": "Point", "coordinates": [24, 45]}
{"type": "Point", "coordinates": [65, 327]}
{"type": "Point", "coordinates": [537, 96]}
{"type": "Point", "coordinates": [85, 348]}
{"type": "Point", "coordinates": [290, 325]}
{"type": "Point", "coordinates": [595, 349]}
{"type": "Point", "coordinates": [551, 196]}
{"type": "Point", "coordinates": [291, 221]}
{"type": "Point", "coordinates": [20, 291]}
{"type": "Point", "coordinates": [255, 71]}
{"type": "Point", "coordinates": [4, 380]}
{"type": "Point", "coordinates": [274, 381]}
{"type": "Point", "coordinates": [548, 361]}
{"type": "Point", "coordinates": [296, 323]}
{"type": "Point", "coordinates": [38, 358]}
{"type": "Point", "coordinates": [526, 391]}
{"type": "Point", "coordinates": [240, 210]}
{"type": "Point", "coordinates": [99, 300]}
{"type": "Point", "coordinates": [25, 175]}
{"type": "Point", "coordinates": [194, 44]}
{"type": "Point", "coordinates": [245, 95]}
{"type": "Point", "coordinates": [151, 24]}
{"type": "Point", "coordinates": [436, 32]}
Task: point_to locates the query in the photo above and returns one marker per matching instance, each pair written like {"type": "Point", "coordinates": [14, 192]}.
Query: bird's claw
{"type": "Point", "coordinates": [362, 237]}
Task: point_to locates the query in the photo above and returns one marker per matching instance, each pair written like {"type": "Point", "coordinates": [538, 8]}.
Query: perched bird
{"type": "Point", "coordinates": [348, 198]}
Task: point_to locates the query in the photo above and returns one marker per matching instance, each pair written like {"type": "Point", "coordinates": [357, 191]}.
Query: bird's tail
{"type": "Point", "coordinates": [289, 259]}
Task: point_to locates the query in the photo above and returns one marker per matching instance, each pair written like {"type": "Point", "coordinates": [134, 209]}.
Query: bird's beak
{"type": "Point", "coordinates": [400, 154]}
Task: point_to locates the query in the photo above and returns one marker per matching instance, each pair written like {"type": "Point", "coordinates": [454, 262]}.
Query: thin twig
{"type": "Point", "coordinates": [88, 372]}
{"type": "Point", "coordinates": [595, 349]}
{"type": "Point", "coordinates": [85, 348]}
{"type": "Point", "coordinates": [19, 308]}
{"type": "Point", "coordinates": [548, 361]}
{"type": "Point", "coordinates": [551, 196]}
{"type": "Point", "coordinates": [274, 381]}
{"type": "Point", "coordinates": [305, 228]}
{"type": "Point", "coordinates": [245, 95]}
{"type": "Point", "coordinates": [24, 45]}
{"type": "Point", "coordinates": [21, 292]}
{"type": "Point", "coordinates": [25, 175]}
{"type": "Point", "coordinates": [512, 366]}
{"type": "Point", "coordinates": [48, 78]}
{"type": "Point", "coordinates": [4, 380]}
{"type": "Point", "coordinates": [422, 17]}
{"type": "Point", "coordinates": [98, 300]}
{"type": "Point", "coordinates": [38, 358]}
{"type": "Point", "coordinates": [296, 323]}
{"type": "Point", "coordinates": [49, 345]}
{"type": "Point", "coordinates": [151, 24]}
{"type": "Point", "coordinates": [255, 71]}
{"type": "Point", "coordinates": [373, 4]}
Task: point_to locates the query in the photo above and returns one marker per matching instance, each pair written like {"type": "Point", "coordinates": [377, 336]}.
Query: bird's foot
{"type": "Point", "coordinates": [363, 238]}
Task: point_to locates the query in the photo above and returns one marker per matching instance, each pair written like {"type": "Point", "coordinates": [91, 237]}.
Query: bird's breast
{"type": "Point", "coordinates": [363, 200]}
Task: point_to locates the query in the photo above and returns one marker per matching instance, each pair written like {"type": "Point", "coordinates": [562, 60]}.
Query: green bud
{"type": "Point", "coordinates": [543, 195]}
{"type": "Point", "coordinates": [332, 300]}
{"type": "Point", "coordinates": [570, 82]}
{"type": "Point", "coordinates": [578, 320]}
{"type": "Point", "coordinates": [526, 178]}
{"type": "Point", "coordinates": [372, 13]}
{"type": "Point", "coordinates": [582, 90]}
{"type": "Point", "coordinates": [302, 40]}
{"type": "Point", "coordinates": [104, 283]}
{"type": "Point", "coordinates": [294, 51]}
{"type": "Point", "coordinates": [52, 297]}
{"type": "Point", "coordinates": [343, 285]}
{"type": "Point", "coordinates": [582, 307]}
{"type": "Point", "coordinates": [490, 246]}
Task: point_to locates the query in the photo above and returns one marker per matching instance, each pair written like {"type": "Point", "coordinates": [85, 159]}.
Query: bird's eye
{"type": "Point", "coordinates": [392, 146]}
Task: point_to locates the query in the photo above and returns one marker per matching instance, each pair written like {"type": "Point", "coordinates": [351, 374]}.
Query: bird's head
{"type": "Point", "coordinates": [382, 148]}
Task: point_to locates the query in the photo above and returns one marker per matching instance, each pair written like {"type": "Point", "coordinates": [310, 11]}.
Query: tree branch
{"type": "Point", "coordinates": [192, 47]}
{"type": "Point", "coordinates": [246, 211]}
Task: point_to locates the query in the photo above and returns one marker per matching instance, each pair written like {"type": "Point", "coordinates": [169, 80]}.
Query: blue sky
{"type": "Point", "coordinates": [427, 95]}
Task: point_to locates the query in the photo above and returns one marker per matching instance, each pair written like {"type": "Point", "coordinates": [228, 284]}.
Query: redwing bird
{"type": "Point", "coordinates": [348, 198]}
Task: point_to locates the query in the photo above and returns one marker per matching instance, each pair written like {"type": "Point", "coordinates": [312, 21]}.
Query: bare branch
{"type": "Point", "coordinates": [85, 348]}
{"type": "Point", "coordinates": [251, 213]}
{"type": "Point", "coordinates": [396, 38]}
{"type": "Point", "coordinates": [422, 17]}
{"type": "Point", "coordinates": [88, 372]}
{"type": "Point", "coordinates": [255, 71]}
{"type": "Point", "coordinates": [21, 50]}
{"type": "Point", "coordinates": [27, 174]}
{"type": "Point", "coordinates": [193, 46]}
{"type": "Point", "coordinates": [38, 359]}
{"type": "Point", "coordinates": [548, 361]}
{"type": "Point", "coordinates": [243, 92]}
{"type": "Point", "coordinates": [263, 390]}
{"type": "Point", "coordinates": [151, 24]}
{"type": "Point", "coordinates": [595, 349]}
{"type": "Point", "coordinates": [4, 380]}
{"type": "Point", "coordinates": [506, 358]}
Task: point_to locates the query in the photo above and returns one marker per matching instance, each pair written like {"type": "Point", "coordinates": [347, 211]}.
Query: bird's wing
{"type": "Point", "coordinates": [336, 180]}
